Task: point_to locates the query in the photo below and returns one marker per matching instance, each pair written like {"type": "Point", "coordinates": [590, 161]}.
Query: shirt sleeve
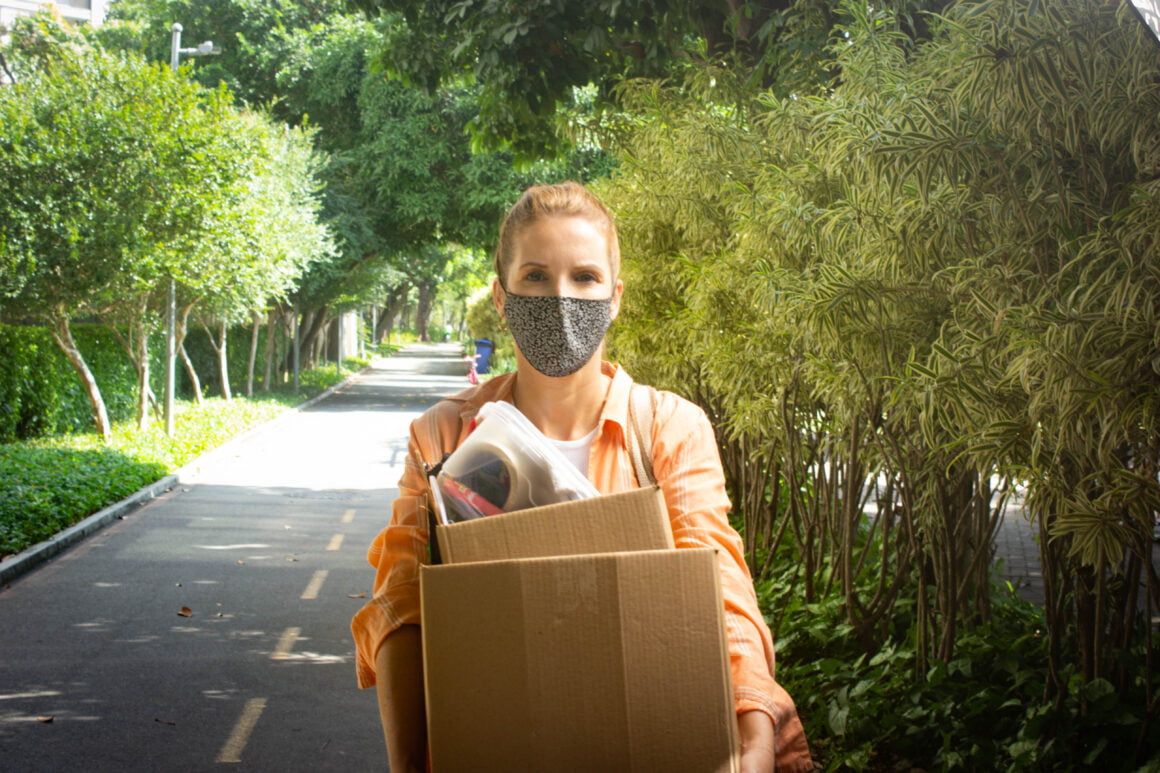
{"type": "Point", "coordinates": [688, 469]}
{"type": "Point", "coordinates": [401, 548]}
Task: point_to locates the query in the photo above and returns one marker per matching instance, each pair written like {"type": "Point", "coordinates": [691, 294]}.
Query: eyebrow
{"type": "Point", "coordinates": [591, 266]}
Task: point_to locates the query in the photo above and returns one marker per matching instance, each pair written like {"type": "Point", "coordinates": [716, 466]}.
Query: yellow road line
{"type": "Point", "coordinates": [335, 542]}
{"type": "Point", "coordinates": [348, 516]}
{"type": "Point", "coordinates": [285, 644]}
{"type": "Point", "coordinates": [236, 743]}
{"type": "Point", "coordinates": [315, 585]}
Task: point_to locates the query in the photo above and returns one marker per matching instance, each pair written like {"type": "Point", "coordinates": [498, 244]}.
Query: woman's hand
{"type": "Point", "coordinates": [757, 742]}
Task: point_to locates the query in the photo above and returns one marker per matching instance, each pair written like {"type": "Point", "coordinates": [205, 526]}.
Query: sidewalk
{"type": "Point", "coordinates": [1017, 554]}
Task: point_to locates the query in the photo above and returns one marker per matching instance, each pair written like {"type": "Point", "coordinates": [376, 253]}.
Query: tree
{"type": "Point", "coordinates": [530, 58]}
{"type": "Point", "coordinates": [100, 191]}
{"type": "Point", "coordinates": [401, 178]}
{"type": "Point", "coordinates": [257, 246]}
{"type": "Point", "coordinates": [253, 37]}
{"type": "Point", "coordinates": [106, 202]}
{"type": "Point", "coordinates": [402, 182]}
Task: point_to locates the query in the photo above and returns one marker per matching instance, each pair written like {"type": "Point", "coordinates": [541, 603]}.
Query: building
{"type": "Point", "coordinates": [76, 11]}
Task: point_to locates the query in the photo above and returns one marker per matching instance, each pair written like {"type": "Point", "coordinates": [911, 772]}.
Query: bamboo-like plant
{"type": "Point", "coordinates": [901, 298]}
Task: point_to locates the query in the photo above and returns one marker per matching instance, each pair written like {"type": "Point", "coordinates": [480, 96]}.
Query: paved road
{"type": "Point", "coordinates": [265, 548]}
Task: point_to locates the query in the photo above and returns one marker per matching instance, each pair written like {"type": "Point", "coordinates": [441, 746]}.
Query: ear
{"type": "Point", "coordinates": [497, 297]}
{"type": "Point", "coordinates": [617, 293]}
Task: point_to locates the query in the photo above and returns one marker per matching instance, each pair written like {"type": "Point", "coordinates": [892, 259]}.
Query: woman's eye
{"type": "Point", "coordinates": [534, 276]}
{"type": "Point", "coordinates": [587, 277]}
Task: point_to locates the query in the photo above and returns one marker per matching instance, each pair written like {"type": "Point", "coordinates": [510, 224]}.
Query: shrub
{"type": "Point", "coordinates": [40, 393]}
{"type": "Point", "coordinates": [46, 489]}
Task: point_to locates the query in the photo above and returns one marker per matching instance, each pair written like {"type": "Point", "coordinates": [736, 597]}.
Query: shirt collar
{"type": "Point", "coordinates": [615, 410]}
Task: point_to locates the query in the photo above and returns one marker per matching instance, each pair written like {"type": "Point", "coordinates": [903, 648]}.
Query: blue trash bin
{"type": "Point", "coordinates": [483, 349]}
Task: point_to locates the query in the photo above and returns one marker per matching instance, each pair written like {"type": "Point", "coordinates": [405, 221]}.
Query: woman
{"type": "Point", "coordinates": [557, 284]}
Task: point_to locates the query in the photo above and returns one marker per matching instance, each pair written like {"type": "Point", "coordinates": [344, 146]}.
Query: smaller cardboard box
{"type": "Point", "coordinates": [570, 656]}
{"type": "Point", "coordinates": [633, 520]}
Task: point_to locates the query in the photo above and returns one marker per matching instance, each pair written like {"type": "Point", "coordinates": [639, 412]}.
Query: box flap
{"type": "Point", "coordinates": [631, 520]}
{"type": "Point", "coordinates": [578, 663]}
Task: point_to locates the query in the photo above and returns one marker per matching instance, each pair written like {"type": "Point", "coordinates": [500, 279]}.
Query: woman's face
{"type": "Point", "coordinates": [561, 256]}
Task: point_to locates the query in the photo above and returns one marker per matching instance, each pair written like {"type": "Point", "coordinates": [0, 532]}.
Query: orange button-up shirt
{"type": "Point", "coordinates": [687, 467]}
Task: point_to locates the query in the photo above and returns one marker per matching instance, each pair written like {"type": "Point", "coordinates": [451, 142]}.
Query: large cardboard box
{"type": "Point", "coordinates": [576, 639]}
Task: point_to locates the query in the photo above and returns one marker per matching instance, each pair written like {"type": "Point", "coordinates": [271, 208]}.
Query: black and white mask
{"type": "Point", "coordinates": [557, 335]}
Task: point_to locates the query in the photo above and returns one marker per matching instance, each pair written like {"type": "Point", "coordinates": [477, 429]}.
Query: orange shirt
{"type": "Point", "coordinates": [687, 467]}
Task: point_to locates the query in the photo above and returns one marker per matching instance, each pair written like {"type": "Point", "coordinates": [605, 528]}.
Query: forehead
{"type": "Point", "coordinates": [561, 240]}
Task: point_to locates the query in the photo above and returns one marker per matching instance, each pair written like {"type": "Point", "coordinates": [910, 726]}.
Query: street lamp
{"type": "Point", "coordinates": [175, 53]}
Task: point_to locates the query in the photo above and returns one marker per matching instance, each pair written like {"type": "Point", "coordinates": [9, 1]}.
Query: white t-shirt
{"type": "Point", "coordinates": [576, 451]}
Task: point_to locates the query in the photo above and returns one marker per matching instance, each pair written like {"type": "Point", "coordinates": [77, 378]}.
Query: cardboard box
{"type": "Point", "coordinates": [633, 520]}
{"type": "Point", "coordinates": [581, 659]}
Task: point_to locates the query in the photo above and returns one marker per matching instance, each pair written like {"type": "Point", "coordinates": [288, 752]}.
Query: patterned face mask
{"type": "Point", "coordinates": [557, 334]}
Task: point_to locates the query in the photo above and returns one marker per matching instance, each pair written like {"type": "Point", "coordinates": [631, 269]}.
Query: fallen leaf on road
{"type": "Point", "coordinates": [185, 612]}
{"type": "Point", "coordinates": [178, 585]}
{"type": "Point", "coordinates": [291, 558]}
{"type": "Point", "coordinates": [45, 720]}
{"type": "Point", "coordinates": [164, 722]}
{"type": "Point", "coordinates": [356, 596]}
{"type": "Point", "coordinates": [240, 562]}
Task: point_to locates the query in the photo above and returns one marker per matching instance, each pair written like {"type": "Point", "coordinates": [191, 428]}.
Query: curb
{"type": "Point", "coordinates": [28, 559]}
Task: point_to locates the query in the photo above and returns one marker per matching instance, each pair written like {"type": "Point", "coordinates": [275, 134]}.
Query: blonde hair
{"type": "Point", "coordinates": [567, 199]}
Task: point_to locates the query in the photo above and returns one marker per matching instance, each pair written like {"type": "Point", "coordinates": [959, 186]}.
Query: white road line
{"type": "Point", "coordinates": [335, 542]}
{"type": "Point", "coordinates": [348, 516]}
{"type": "Point", "coordinates": [315, 585]}
{"type": "Point", "coordinates": [236, 743]}
{"type": "Point", "coordinates": [285, 644]}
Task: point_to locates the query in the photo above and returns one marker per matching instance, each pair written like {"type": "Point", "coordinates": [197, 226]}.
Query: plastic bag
{"type": "Point", "coordinates": [506, 464]}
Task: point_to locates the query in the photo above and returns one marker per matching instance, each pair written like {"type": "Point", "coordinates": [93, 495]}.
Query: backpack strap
{"type": "Point", "coordinates": [641, 409]}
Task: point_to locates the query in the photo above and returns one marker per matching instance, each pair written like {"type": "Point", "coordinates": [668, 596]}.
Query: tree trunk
{"type": "Point", "coordinates": [313, 325]}
{"type": "Point", "coordinates": [219, 348]}
{"type": "Point", "coordinates": [253, 354]}
{"type": "Point", "coordinates": [136, 346]}
{"type": "Point", "coordinates": [223, 362]}
{"type": "Point", "coordinates": [143, 390]}
{"type": "Point", "coordinates": [423, 310]}
{"type": "Point", "coordinates": [62, 334]}
{"type": "Point", "coordinates": [395, 302]}
{"type": "Point", "coordinates": [271, 320]}
{"type": "Point", "coordinates": [182, 328]}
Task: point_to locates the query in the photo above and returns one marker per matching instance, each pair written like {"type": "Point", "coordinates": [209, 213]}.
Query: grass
{"type": "Point", "coordinates": [49, 484]}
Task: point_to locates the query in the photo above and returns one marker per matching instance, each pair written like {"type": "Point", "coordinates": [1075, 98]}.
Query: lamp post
{"type": "Point", "coordinates": [175, 53]}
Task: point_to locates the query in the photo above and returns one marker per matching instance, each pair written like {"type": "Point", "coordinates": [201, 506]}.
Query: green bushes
{"type": "Point", "coordinates": [983, 710]}
{"type": "Point", "coordinates": [45, 490]}
{"type": "Point", "coordinates": [39, 391]}
{"type": "Point", "coordinates": [40, 394]}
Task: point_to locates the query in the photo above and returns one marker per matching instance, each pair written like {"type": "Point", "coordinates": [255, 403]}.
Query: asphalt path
{"type": "Point", "coordinates": [209, 628]}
